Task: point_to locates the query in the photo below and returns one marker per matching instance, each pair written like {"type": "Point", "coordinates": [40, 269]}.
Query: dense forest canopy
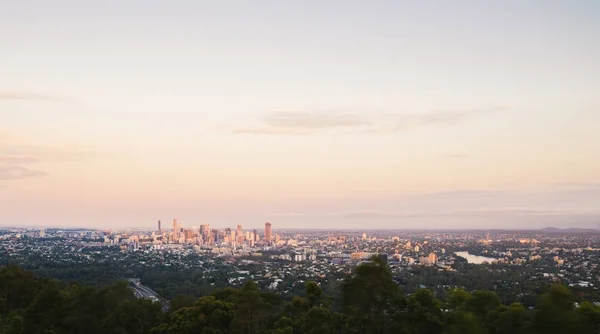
{"type": "Point", "coordinates": [368, 301]}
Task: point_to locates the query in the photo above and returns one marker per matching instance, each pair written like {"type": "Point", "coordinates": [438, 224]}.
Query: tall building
{"type": "Point", "coordinates": [268, 233]}
{"type": "Point", "coordinates": [228, 234]}
{"type": "Point", "coordinates": [159, 227]}
{"type": "Point", "coordinates": [175, 230]}
{"type": "Point", "coordinates": [239, 235]}
{"type": "Point", "coordinates": [433, 258]}
{"type": "Point", "coordinates": [205, 231]}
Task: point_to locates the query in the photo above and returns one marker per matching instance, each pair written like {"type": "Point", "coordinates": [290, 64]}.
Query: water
{"type": "Point", "coordinates": [475, 259]}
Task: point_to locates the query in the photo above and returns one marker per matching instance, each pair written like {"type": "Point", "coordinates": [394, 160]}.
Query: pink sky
{"type": "Point", "coordinates": [341, 114]}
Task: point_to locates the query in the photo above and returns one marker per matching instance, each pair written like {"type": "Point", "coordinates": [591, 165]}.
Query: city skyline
{"type": "Point", "coordinates": [335, 115]}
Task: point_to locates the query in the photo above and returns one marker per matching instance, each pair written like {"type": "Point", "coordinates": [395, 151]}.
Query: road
{"type": "Point", "coordinates": [141, 291]}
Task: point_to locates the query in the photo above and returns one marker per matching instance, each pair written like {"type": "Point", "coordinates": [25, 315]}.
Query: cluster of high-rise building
{"type": "Point", "coordinates": [207, 236]}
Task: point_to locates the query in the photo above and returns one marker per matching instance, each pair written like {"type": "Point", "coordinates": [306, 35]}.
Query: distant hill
{"type": "Point", "coordinates": [569, 230]}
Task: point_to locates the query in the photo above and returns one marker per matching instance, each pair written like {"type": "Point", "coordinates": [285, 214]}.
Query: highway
{"type": "Point", "coordinates": [141, 291]}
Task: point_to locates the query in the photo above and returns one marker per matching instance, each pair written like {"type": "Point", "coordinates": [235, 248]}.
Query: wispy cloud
{"type": "Point", "coordinates": [28, 96]}
{"type": "Point", "coordinates": [367, 214]}
{"type": "Point", "coordinates": [18, 150]}
{"type": "Point", "coordinates": [265, 130]}
{"type": "Point", "coordinates": [10, 172]}
{"type": "Point", "coordinates": [17, 154]}
{"type": "Point", "coordinates": [296, 122]}
{"type": "Point", "coordinates": [470, 212]}
{"type": "Point", "coordinates": [468, 194]}
{"type": "Point", "coordinates": [380, 214]}
{"type": "Point", "coordinates": [529, 211]}
{"type": "Point", "coordinates": [302, 123]}
{"type": "Point", "coordinates": [28, 152]}
{"type": "Point", "coordinates": [456, 156]}
{"type": "Point", "coordinates": [395, 123]}
{"type": "Point", "coordinates": [17, 159]}
{"type": "Point", "coordinates": [576, 186]}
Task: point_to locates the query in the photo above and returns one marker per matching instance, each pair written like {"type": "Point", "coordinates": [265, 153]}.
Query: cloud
{"type": "Point", "coordinates": [28, 96]}
{"type": "Point", "coordinates": [10, 172]}
{"type": "Point", "coordinates": [469, 194]}
{"type": "Point", "coordinates": [376, 215]}
{"type": "Point", "coordinates": [303, 123]}
{"type": "Point", "coordinates": [456, 156]}
{"type": "Point", "coordinates": [394, 123]}
{"type": "Point", "coordinates": [296, 122]}
{"type": "Point", "coordinates": [546, 205]}
{"type": "Point", "coordinates": [18, 159]}
{"type": "Point", "coordinates": [271, 131]}
{"type": "Point", "coordinates": [576, 186]}
{"type": "Point", "coordinates": [305, 120]}
{"type": "Point", "coordinates": [529, 211]}
{"type": "Point", "coordinates": [368, 214]}
{"type": "Point", "coordinates": [16, 150]}
{"type": "Point", "coordinates": [380, 214]}
{"type": "Point", "coordinates": [16, 156]}
{"type": "Point", "coordinates": [29, 153]}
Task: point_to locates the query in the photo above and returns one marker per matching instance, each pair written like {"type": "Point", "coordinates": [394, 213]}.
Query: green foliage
{"type": "Point", "coordinates": [370, 302]}
{"type": "Point", "coordinates": [556, 312]}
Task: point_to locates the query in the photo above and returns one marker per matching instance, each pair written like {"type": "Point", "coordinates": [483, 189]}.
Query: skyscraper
{"type": "Point", "coordinates": [159, 227]}
{"type": "Point", "coordinates": [239, 235]}
{"type": "Point", "coordinates": [268, 233]}
{"type": "Point", "coordinates": [205, 231]}
{"type": "Point", "coordinates": [175, 230]}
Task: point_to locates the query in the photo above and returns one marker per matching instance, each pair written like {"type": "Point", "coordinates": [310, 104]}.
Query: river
{"type": "Point", "coordinates": [475, 259]}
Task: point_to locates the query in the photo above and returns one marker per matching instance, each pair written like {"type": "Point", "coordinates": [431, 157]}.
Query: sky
{"type": "Point", "coordinates": [329, 114]}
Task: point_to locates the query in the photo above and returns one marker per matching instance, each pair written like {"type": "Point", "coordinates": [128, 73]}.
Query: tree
{"type": "Point", "coordinates": [207, 315]}
{"type": "Point", "coordinates": [483, 302]}
{"type": "Point", "coordinates": [252, 310]}
{"type": "Point", "coordinates": [462, 322]}
{"type": "Point", "coordinates": [47, 311]}
{"type": "Point", "coordinates": [555, 313]}
{"type": "Point", "coordinates": [317, 320]}
{"type": "Point", "coordinates": [18, 288]}
{"type": "Point", "coordinates": [284, 325]}
{"type": "Point", "coordinates": [424, 313]}
{"type": "Point", "coordinates": [371, 298]}
{"type": "Point", "coordinates": [589, 315]}
{"type": "Point", "coordinates": [514, 319]}
{"type": "Point", "coordinates": [457, 299]}
{"type": "Point", "coordinates": [180, 302]}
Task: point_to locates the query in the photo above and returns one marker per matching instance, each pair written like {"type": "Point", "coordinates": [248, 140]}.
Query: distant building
{"type": "Point", "coordinates": [268, 233]}
{"type": "Point", "coordinates": [361, 256]}
{"type": "Point", "coordinates": [175, 230]}
{"type": "Point", "coordinates": [239, 235]}
{"type": "Point", "coordinates": [430, 259]}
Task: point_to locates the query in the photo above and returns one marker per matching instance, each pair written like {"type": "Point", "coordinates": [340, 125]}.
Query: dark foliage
{"type": "Point", "coordinates": [369, 300]}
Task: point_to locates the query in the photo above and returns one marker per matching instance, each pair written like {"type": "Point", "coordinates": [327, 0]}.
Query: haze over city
{"type": "Point", "coordinates": [329, 114]}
